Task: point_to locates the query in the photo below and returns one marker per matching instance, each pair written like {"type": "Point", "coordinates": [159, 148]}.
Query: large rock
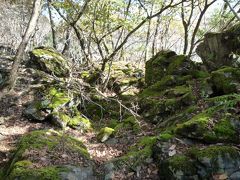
{"type": "Point", "coordinates": [166, 63]}
{"type": "Point", "coordinates": [170, 86]}
{"type": "Point", "coordinates": [226, 80]}
{"type": "Point", "coordinates": [217, 49]}
{"type": "Point", "coordinates": [57, 107]}
{"type": "Point", "coordinates": [47, 155]}
{"type": "Point", "coordinates": [218, 122]}
{"type": "Point", "coordinates": [214, 162]}
{"type": "Point", "coordinates": [49, 61]}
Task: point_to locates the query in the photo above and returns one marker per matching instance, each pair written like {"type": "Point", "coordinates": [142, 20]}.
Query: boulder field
{"type": "Point", "coordinates": [193, 110]}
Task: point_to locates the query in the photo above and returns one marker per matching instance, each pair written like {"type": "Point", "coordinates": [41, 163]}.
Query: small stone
{"type": "Point", "coordinates": [172, 153]}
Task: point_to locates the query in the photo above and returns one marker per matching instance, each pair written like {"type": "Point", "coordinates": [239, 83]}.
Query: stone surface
{"type": "Point", "coordinates": [23, 164]}
{"type": "Point", "coordinates": [77, 173]}
{"type": "Point", "coordinates": [166, 63]}
{"type": "Point", "coordinates": [49, 61]}
{"type": "Point", "coordinates": [217, 49]}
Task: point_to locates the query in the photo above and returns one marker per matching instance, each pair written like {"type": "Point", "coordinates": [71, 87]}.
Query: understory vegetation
{"type": "Point", "coordinates": [119, 89]}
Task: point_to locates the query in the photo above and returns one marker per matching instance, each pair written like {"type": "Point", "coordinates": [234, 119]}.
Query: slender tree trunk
{"type": "Point", "coordinates": [155, 35]}
{"type": "Point", "coordinates": [52, 25]}
{"type": "Point", "coordinates": [192, 44]}
{"type": "Point", "coordinates": [147, 41]}
{"type": "Point", "coordinates": [73, 24]}
{"type": "Point", "coordinates": [37, 6]}
{"type": "Point", "coordinates": [67, 42]}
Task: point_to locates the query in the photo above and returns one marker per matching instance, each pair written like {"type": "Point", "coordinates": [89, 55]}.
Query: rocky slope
{"type": "Point", "coordinates": [181, 123]}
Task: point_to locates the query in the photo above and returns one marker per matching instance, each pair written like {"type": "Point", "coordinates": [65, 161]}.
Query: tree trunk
{"type": "Point", "coordinates": [52, 25]}
{"type": "Point", "coordinates": [147, 41]}
{"type": "Point", "coordinates": [66, 47]}
{"type": "Point", "coordinates": [37, 6]}
{"type": "Point", "coordinates": [155, 35]}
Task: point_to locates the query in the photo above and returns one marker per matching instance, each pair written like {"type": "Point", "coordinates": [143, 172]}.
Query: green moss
{"type": "Point", "coordinates": [76, 122]}
{"type": "Point", "coordinates": [113, 123]}
{"type": "Point", "coordinates": [200, 74]}
{"type": "Point", "coordinates": [180, 90]}
{"type": "Point", "coordinates": [50, 61]}
{"type": "Point", "coordinates": [138, 154]}
{"type": "Point", "coordinates": [165, 136]}
{"type": "Point", "coordinates": [196, 127]}
{"type": "Point", "coordinates": [225, 130]}
{"type": "Point", "coordinates": [155, 89]}
{"type": "Point", "coordinates": [39, 139]}
{"type": "Point", "coordinates": [105, 133]}
{"type": "Point", "coordinates": [213, 152]}
{"type": "Point", "coordinates": [206, 127]}
{"type": "Point", "coordinates": [22, 170]}
{"type": "Point", "coordinates": [57, 98]}
{"type": "Point", "coordinates": [177, 61]}
{"type": "Point", "coordinates": [229, 78]}
{"type": "Point", "coordinates": [45, 139]}
{"type": "Point", "coordinates": [129, 123]}
{"type": "Point", "coordinates": [181, 163]}
{"type": "Point", "coordinates": [49, 139]}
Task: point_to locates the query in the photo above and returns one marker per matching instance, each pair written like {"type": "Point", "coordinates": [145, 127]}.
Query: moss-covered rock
{"type": "Point", "coordinates": [56, 106]}
{"type": "Point", "coordinates": [24, 163]}
{"type": "Point", "coordinates": [105, 133]}
{"type": "Point", "coordinates": [52, 98]}
{"type": "Point", "coordinates": [226, 80]}
{"type": "Point", "coordinates": [157, 107]}
{"type": "Point", "coordinates": [166, 63]}
{"type": "Point", "coordinates": [100, 108]}
{"type": "Point", "coordinates": [210, 127]}
{"type": "Point", "coordinates": [49, 61]}
{"type": "Point", "coordinates": [138, 154]}
{"type": "Point", "coordinates": [206, 163]}
{"type": "Point", "coordinates": [75, 121]}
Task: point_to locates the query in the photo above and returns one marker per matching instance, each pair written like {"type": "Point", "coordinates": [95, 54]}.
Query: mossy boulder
{"type": "Point", "coordinates": [210, 128]}
{"type": "Point", "coordinates": [219, 122]}
{"type": "Point", "coordinates": [57, 107]}
{"type": "Point", "coordinates": [156, 107]}
{"type": "Point", "coordinates": [104, 134]}
{"type": "Point", "coordinates": [37, 154]}
{"type": "Point", "coordinates": [50, 61]}
{"type": "Point", "coordinates": [182, 160]}
{"type": "Point", "coordinates": [75, 120]}
{"type": "Point", "coordinates": [124, 78]}
{"type": "Point", "coordinates": [217, 49]}
{"type": "Point", "coordinates": [138, 154]}
{"type": "Point", "coordinates": [166, 63]}
{"type": "Point", "coordinates": [226, 80]}
{"type": "Point", "coordinates": [205, 163]}
{"type": "Point", "coordinates": [101, 108]}
{"type": "Point", "coordinates": [51, 98]}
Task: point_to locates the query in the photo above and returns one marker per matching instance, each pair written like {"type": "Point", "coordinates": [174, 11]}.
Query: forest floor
{"type": "Point", "coordinates": [13, 126]}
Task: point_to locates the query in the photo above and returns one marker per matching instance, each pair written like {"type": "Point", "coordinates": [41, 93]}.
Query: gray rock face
{"type": "Point", "coordinates": [33, 112]}
{"type": "Point", "coordinates": [207, 163]}
{"type": "Point", "coordinates": [217, 48]}
{"type": "Point", "coordinates": [77, 173]}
